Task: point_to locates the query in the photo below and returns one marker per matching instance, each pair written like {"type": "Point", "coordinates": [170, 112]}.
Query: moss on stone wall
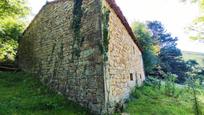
{"type": "Point", "coordinates": [66, 44]}
{"type": "Point", "coordinates": [105, 29]}
{"type": "Point", "coordinates": [76, 26]}
{"type": "Point", "coordinates": [61, 53]}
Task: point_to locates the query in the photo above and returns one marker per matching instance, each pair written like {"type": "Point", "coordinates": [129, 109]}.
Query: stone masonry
{"type": "Point", "coordinates": [85, 50]}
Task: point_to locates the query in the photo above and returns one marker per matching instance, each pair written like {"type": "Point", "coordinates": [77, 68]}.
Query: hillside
{"type": "Point", "coordinates": [23, 94]}
{"type": "Point", "coordinates": [199, 57]}
{"type": "Point", "coordinates": [148, 100]}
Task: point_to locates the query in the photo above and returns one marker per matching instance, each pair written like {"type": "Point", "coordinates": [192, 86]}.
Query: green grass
{"type": "Point", "coordinates": [150, 101]}
{"type": "Point", "coordinates": [23, 94]}
{"type": "Point", "coordinates": [199, 57]}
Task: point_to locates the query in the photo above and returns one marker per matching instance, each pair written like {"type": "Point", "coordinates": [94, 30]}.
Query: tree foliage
{"type": "Point", "coordinates": [149, 51]}
{"type": "Point", "coordinates": [195, 71]}
{"type": "Point", "coordinates": [196, 29]}
{"type": "Point", "coordinates": [160, 53]}
{"type": "Point", "coordinates": [11, 28]}
{"type": "Point", "coordinates": [13, 8]}
{"type": "Point", "coordinates": [170, 57]}
{"type": "Point", "coordinates": [12, 23]}
{"type": "Point", "coordinates": [193, 76]}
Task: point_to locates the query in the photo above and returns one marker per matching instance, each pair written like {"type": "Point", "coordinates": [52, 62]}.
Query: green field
{"type": "Point", "coordinates": [23, 94]}
{"type": "Point", "coordinates": [199, 57]}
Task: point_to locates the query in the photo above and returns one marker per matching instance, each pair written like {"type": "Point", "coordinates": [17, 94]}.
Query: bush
{"type": "Point", "coordinates": [154, 82]}
{"type": "Point", "coordinates": [170, 84]}
{"type": "Point", "coordinates": [8, 51]}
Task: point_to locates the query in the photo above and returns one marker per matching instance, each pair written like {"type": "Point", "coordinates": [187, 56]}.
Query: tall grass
{"type": "Point", "coordinates": [149, 100]}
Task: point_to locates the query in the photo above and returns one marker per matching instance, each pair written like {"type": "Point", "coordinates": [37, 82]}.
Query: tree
{"type": "Point", "coordinates": [196, 29]}
{"type": "Point", "coordinates": [160, 35]}
{"type": "Point", "coordinates": [12, 25]}
{"type": "Point", "coordinates": [192, 77]}
{"type": "Point", "coordinates": [145, 40]}
{"type": "Point", "coordinates": [201, 75]}
{"type": "Point", "coordinates": [195, 70]}
{"type": "Point", "coordinates": [13, 8]}
{"type": "Point", "coordinates": [170, 57]}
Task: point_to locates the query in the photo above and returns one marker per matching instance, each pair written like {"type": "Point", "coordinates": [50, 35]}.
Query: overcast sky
{"type": "Point", "coordinates": [175, 16]}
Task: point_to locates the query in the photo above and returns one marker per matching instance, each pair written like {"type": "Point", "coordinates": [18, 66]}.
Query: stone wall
{"type": "Point", "coordinates": [62, 45]}
{"type": "Point", "coordinates": [124, 68]}
{"type": "Point", "coordinates": [81, 49]}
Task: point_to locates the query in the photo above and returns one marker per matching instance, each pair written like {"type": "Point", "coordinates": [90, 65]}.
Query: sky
{"type": "Point", "coordinates": [174, 15]}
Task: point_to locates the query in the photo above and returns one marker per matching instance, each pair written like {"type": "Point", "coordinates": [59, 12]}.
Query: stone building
{"type": "Point", "coordinates": [85, 50]}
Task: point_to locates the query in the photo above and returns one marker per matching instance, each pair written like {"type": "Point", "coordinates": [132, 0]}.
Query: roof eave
{"type": "Point", "coordinates": [124, 21]}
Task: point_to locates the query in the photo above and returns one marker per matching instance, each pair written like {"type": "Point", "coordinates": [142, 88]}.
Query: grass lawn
{"type": "Point", "coordinates": [151, 101]}
{"type": "Point", "coordinates": [23, 94]}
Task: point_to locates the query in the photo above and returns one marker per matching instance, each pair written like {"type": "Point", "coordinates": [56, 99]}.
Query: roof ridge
{"type": "Point", "coordinates": [116, 9]}
{"type": "Point", "coordinates": [55, 1]}
{"type": "Point", "coordinates": [46, 4]}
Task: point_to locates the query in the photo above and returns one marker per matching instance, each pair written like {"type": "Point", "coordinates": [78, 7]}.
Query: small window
{"type": "Point", "coordinates": [140, 76]}
{"type": "Point", "coordinates": [131, 77]}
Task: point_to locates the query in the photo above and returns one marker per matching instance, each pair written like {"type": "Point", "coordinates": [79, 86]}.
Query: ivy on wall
{"type": "Point", "coordinates": [105, 29]}
{"type": "Point", "coordinates": [76, 25]}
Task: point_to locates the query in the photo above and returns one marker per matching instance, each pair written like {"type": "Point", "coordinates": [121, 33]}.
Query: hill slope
{"type": "Point", "coordinates": [23, 94]}
{"type": "Point", "coordinates": [150, 100]}
{"type": "Point", "coordinates": [199, 57]}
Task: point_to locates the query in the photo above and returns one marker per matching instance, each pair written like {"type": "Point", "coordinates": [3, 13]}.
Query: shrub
{"type": "Point", "coordinates": [170, 84]}
{"type": "Point", "coordinates": [154, 82]}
